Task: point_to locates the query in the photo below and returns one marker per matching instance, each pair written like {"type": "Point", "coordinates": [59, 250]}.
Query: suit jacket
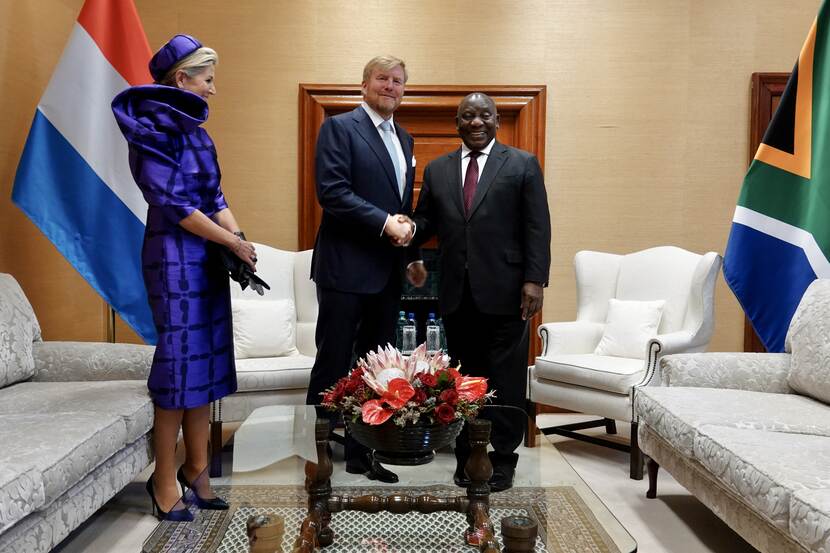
{"type": "Point", "coordinates": [357, 188]}
{"type": "Point", "coordinates": [504, 242]}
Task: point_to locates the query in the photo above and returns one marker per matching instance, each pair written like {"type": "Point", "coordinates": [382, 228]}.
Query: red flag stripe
{"type": "Point", "coordinates": [115, 27]}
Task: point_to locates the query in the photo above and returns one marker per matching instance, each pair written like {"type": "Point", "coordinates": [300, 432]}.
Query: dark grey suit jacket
{"type": "Point", "coordinates": [504, 242]}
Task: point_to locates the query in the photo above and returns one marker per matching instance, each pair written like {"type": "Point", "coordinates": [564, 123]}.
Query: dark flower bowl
{"type": "Point", "coordinates": [413, 444]}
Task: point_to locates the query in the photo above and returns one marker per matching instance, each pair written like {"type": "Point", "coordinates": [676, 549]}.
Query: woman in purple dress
{"type": "Point", "coordinates": [173, 161]}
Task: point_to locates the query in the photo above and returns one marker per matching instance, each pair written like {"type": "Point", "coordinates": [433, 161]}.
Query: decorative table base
{"type": "Point", "coordinates": [315, 530]}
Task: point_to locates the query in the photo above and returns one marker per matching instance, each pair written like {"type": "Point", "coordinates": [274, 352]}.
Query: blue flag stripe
{"type": "Point", "coordinates": [768, 276]}
{"type": "Point", "coordinates": [85, 220]}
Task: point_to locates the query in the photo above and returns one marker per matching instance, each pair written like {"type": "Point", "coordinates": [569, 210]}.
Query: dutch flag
{"type": "Point", "coordinates": [73, 180]}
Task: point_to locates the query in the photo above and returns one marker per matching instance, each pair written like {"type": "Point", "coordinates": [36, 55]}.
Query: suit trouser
{"type": "Point", "coordinates": [495, 347]}
{"type": "Point", "coordinates": [349, 325]}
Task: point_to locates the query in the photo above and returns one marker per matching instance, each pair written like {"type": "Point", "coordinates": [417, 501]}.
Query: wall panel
{"type": "Point", "coordinates": [648, 110]}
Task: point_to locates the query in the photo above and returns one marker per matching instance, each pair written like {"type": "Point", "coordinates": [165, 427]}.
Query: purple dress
{"type": "Point", "coordinates": [173, 161]}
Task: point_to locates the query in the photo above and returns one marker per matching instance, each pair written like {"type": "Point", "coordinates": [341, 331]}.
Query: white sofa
{"type": "Point", "coordinates": [274, 340]}
{"type": "Point", "coordinates": [749, 433]}
{"type": "Point", "coordinates": [75, 420]}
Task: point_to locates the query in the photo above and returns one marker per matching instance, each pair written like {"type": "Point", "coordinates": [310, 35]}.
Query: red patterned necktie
{"type": "Point", "coordinates": [470, 182]}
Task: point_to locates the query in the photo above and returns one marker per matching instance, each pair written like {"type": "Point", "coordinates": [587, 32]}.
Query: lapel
{"type": "Point", "coordinates": [453, 178]}
{"type": "Point", "coordinates": [365, 128]}
{"type": "Point", "coordinates": [498, 155]}
{"type": "Point", "coordinates": [407, 159]}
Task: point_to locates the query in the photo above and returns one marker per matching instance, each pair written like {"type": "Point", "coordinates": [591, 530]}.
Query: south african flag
{"type": "Point", "coordinates": [780, 237]}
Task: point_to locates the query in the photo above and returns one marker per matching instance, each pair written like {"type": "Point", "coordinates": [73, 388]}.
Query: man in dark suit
{"type": "Point", "coordinates": [486, 202]}
{"type": "Point", "coordinates": [364, 171]}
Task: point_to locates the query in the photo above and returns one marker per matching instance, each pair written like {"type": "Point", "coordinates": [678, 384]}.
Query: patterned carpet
{"type": "Point", "coordinates": [566, 525]}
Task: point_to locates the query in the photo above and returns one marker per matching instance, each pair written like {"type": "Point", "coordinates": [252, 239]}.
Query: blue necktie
{"type": "Point", "coordinates": [386, 127]}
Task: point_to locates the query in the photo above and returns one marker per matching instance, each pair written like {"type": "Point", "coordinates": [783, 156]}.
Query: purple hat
{"type": "Point", "coordinates": [177, 48]}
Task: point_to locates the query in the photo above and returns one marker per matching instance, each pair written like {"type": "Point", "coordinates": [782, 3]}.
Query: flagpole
{"type": "Point", "coordinates": [110, 318]}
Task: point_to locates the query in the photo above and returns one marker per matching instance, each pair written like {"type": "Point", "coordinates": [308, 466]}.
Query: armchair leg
{"type": "Point", "coordinates": [532, 429]}
{"type": "Point", "coordinates": [653, 467]}
{"type": "Point", "coordinates": [215, 449]}
{"type": "Point", "coordinates": [636, 469]}
{"type": "Point", "coordinates": [610, 426]}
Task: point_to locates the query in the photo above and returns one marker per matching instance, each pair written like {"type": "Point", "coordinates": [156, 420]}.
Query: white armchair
{"type": "Point", "coordinates": [274, 341]}
{"type": "Point", "coordinates": [569, 375]}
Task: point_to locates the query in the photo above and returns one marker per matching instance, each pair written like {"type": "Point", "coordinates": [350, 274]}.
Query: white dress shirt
{"type": "Point", "coordinates": [482, 159]}
{"type": "Point", "coordinates": [376, 121]}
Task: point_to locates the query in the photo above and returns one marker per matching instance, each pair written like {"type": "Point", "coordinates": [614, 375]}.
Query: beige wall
{"type": "Point", "coordinates": [647, 112]}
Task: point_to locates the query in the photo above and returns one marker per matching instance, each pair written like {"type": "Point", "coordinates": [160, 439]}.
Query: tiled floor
{"type": "Point", "coordinates": [675, 522]}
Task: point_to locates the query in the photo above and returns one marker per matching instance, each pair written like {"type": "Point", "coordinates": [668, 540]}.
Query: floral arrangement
{"type": "Point", "coordinates": [422, 387]}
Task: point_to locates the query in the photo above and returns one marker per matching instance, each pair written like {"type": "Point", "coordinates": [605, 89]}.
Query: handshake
{"type": "Point", "coordinates": [400, 229]}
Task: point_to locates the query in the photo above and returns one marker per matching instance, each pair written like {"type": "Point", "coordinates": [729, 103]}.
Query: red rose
{"type": "Point", "coordinates": [428, 380]}
{"type": "Point", "coordinates": [352, 385]}
{"type": "Point", "coordinates": [450, 396]}
{"type": "Point", "coordinates": [420, 396]}
{"type": "Point", "coordinates": [445, 413]}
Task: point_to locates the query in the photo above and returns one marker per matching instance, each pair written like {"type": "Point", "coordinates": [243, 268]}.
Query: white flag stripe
{"type": "Point", "coordinates": [77, 102]}
{"type": "Point", "coordinates": [788, 233]}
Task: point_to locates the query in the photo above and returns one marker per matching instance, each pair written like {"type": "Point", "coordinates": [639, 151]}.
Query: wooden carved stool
{"type": "Point", "coordinates": [265, 533]}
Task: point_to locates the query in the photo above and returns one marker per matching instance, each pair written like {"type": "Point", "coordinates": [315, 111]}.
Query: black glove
{"type": "Point", "coordinates": [237, 269]}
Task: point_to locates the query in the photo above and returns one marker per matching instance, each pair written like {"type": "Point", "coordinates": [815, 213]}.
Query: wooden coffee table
{"type": "Point", "coordinates": [281, 446]}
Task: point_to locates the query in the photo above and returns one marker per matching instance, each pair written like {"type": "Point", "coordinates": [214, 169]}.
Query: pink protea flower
{"type": "Point", "coordinates": [381, 367]}
{"type": "Point", "coordinates": [422, 362]}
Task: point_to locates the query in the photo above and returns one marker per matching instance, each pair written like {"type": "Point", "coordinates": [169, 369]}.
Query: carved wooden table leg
{"type": "Point", "coordinates": [479, 469]}
{"type": "Point", "coordinates": [315, 530]}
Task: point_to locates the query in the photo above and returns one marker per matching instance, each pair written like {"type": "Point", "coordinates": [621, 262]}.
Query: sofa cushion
{"type": "Point", "coordinates": [612, 374]}
{"type": "Point", "coordinates": [18, 329]}
{"type": "Point", "coordinates": [62, 448]}
{"type": "Point", "coordinates": [677, 413]}
{"type": "Point", "coordinates": [765, 468]}
{"type": "Point", "coordinates": [273, 373]}
{"type": "Point", "coordinates": [21, 493]}
{"type": "Point", "coordinates": [127, 399]}
{"type": "Point", "coordinates": [807, 338]}
{"type": "Point", "coordinates": [628, 328]}
{"type": "Point", "coordinates": [810, 518]}
{"type": "Point", "coordinates": [264, 328]}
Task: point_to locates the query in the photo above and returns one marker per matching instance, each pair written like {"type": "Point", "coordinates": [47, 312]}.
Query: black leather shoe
{"type": "Point", "coordinates": [502, 479]}
{"type": "Point", "coordinates": [460, 477]}
{"type": "Point", "coordinates": [371, 469]}
{"type": "Point", "coordinates": [461, 480]}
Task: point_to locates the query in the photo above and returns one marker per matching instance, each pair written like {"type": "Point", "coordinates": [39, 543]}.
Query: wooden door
{"type": "Point", "coordinates": [427, 112]}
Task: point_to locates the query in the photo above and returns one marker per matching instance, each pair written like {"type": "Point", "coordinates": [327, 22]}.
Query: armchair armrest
{"type": "Point", "coordinates": [570, 337]}
{"type": "Point", "coordinates": [759, 372]}
{"type": "Point", "coordinates": [681, 341]}
{"type": "Point", "coordinates": [86, 361]}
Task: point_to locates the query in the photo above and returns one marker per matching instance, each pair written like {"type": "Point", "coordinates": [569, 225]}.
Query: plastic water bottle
{"type": "Point", "coordinates": [443, 335]}
{"type": "Point", "coordinates": [433, 334]}
{"type": "Point", "coordinates": [409, 335]}
{"type": "Point", "coordinates": [399, 330]}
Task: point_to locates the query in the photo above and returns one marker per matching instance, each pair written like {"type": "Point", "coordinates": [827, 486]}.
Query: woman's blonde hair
{"type": "Point", "coordinates": [192, 65]}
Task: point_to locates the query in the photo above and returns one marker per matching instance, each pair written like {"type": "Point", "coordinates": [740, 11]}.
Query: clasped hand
{"type": "Point", "coordinates": [400, 229]}
{"type": "Point", "coordinates": [245, 251]}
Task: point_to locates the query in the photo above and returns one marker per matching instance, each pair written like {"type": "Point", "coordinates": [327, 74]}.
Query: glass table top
{"type": "Point", "coordinates": [271, 448]}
